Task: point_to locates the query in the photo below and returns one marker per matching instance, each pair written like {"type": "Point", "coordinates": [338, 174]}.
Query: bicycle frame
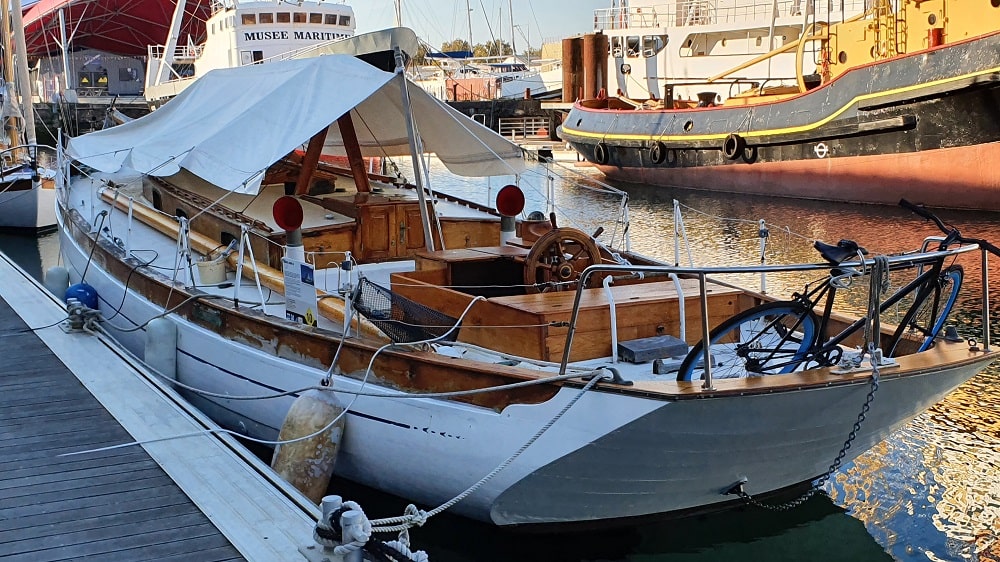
{"type": "Point", "coordinates": [922, 284]}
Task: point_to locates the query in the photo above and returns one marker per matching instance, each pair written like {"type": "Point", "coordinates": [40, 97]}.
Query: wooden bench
{"type": "Point", "coordinates": [536, 325]}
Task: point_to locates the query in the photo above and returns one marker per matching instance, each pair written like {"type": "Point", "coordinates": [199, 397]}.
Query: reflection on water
{"type": "Point", "coordinates": [931, 491]}
{"type": "Point", "coordinates": [34, 254]}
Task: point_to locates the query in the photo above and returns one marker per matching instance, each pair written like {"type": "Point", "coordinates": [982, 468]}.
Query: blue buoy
{"type": "Point", "coordinates": [84, 293]}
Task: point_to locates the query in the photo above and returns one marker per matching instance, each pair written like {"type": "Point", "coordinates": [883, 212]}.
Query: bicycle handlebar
{"type": "Point", "coordinates": [951, 233]}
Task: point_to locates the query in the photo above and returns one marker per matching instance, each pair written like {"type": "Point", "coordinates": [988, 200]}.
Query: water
{"type": "Point", "coordinates": [931, 491]}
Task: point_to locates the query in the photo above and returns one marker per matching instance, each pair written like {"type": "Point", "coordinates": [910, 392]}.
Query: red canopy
{"type": "Point", "coordinates": [123, 27]}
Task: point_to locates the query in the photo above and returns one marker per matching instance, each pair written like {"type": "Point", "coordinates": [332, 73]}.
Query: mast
{"type": "Point", "coordinates": [399, 13]}
{"type": "Point", "coordinates": [510, 6]}
{"type": "Point", "coordinates": [415, 156]}
{"type": "Point", "coordinates": [8, 71]}
{"type": "Point", "coordinates": [24, 84]}
{"type": "Point", "coordinates": [468, 13]}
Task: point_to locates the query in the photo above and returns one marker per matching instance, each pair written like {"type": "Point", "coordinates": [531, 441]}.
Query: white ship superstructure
{"type": "Point", "coordinates": [240, 33]}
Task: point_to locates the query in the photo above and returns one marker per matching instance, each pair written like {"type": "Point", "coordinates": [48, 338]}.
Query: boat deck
{"type": "Point", "coordinates": [181, 499]}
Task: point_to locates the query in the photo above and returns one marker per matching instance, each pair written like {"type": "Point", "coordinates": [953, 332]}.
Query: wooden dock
{"type": "Point", "coordinates": [192, 498]}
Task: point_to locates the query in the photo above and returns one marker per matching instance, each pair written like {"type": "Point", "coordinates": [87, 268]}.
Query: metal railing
{"type": "Point", "coordinates": [703, 273]}
{"type": "Point", "coordinates": [523, 127]}
{"type": "Point", "coordinates": [182, 53]}
{"type": "Point", "coordinates": [706, 12]}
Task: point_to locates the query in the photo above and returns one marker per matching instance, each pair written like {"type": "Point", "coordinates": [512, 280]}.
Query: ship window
{"type": "Point", "coordinates": [331, 19]}
{"type": "Point", "coordinates": [632, 46]}
{"type": "Point", "coordinates": [299, 17]}
{"type": "Point", "coordinates": [315, 18]}
{"type": "Point", "coordinates": [616, 47]}
{"type": "Point", "coordinates": [266, 18]}
{"type": "Point", "coordinates": [284, 17]}
{"type": "Point", "coordinates": [652, 44]}
{"type": "Point", "coordinates": [345, 21]}
{"type": "Point", "coordinates": [249, 19]}
{"type": "Point", "coordinates": [127, 74]}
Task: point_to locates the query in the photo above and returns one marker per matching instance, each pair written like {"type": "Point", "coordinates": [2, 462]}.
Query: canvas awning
{"type": "Point", "coordinates": [231, 124]}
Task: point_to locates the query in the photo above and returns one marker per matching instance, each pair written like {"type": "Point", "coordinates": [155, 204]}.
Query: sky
{"type": "Point", "coordinates": [439, 21]}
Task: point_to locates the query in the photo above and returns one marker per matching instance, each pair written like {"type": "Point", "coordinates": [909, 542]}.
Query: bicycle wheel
{"type": "Point", "coordinates": [768, 339]}
{"type": "Point", "coordinates": [928, 316]}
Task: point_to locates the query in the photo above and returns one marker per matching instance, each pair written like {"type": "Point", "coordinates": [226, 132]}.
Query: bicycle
{"type": "Point", "coordinates": [780, 337]}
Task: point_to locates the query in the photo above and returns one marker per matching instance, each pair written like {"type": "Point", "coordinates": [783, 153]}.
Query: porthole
{"type": "Point", "coordinates": [688, 126]}
{"type": "Point", "coordinates": [932, 19]}
{"type": "Point", "coordinates": [842, 57]}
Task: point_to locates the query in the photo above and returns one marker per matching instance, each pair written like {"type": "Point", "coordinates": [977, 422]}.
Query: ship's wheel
{"type": "Point", "coordinates": [557, 258]}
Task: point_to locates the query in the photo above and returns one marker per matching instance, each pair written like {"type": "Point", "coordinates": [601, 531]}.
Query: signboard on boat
{"type": "Point", "coordinates": [300, 291]}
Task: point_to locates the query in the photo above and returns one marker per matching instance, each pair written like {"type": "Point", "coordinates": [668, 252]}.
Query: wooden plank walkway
{"type": "Point", "coordinates": [188, 499]}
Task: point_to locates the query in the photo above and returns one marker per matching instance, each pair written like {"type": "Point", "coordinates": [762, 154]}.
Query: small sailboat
{"type": "Point", "coordinates": [27, 188]}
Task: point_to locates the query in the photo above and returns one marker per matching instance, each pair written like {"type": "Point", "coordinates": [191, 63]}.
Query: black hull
{"type": "Point", "coordinates": [943, 105]}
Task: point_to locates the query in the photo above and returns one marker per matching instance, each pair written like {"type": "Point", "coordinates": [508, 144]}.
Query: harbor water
{"type": "Point", "coordinates": [930, 491]}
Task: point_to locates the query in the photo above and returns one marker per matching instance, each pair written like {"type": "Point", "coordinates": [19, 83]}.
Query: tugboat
{"type": "Point", "coordinates": [895, 101]}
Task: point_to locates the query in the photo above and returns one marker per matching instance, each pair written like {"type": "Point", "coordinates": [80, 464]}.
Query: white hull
{"type": "Point", "coordinates": [28, 209]}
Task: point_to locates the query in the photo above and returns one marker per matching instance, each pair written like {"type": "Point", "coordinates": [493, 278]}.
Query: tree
{"type": "Point", "coordinates": [420, 57]}
{"type": "Point", "coordinates": [495, 48]}
{"type": "Point", "coordinates": [455, 45]}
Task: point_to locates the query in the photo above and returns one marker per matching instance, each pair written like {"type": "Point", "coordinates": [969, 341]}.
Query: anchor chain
{"type": "Point", "coordinates": [834, 466]}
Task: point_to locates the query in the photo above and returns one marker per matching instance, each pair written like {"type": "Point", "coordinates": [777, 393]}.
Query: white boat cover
{"type": "Point", "coordinates": [231, 124]}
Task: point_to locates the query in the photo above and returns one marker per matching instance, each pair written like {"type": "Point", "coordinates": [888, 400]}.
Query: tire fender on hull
{"type": "Point", "coordinates": [601, 153]}
{"type": "Point", "coordinates": [658, 152]}
{"type": "Point", "coordinates": [733, 146]}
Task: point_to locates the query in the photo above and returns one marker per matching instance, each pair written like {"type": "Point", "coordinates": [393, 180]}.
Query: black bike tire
{"type": "Point", "coordinates": [686, 370]}
{"type": "Point", "coordinates": [948, 302]}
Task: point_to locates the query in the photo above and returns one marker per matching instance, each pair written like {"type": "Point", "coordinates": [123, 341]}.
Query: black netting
{"type": "Point", "coordinates": [400, 318]}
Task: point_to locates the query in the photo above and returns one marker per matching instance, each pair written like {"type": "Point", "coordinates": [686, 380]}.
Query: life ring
{"type": "Point", "coordinates": [732, 147]}
{"type": "Point", "coordinates": [601, 153]}
{"type": "Point", "coordinates": [658, 152]}
{"type": "Point", "coordinates": [750, 154]}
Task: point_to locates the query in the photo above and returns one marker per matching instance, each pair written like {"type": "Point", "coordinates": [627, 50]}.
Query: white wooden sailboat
{"type": "Point", "coordinates": [492, 361]}
{"type": "Point", "coordinates": [27, 188]}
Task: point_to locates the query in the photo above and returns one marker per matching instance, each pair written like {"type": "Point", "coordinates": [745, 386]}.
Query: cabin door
{"type": "Point", "coordinates": [389, 231]}
{"type": "Point", "coordinates": [411, 230]}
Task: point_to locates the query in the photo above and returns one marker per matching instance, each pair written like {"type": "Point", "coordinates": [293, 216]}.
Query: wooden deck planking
{"type": "Point", "coordinates": [45, 411]}
{"type": "Point", "coordinates": [127, 503]}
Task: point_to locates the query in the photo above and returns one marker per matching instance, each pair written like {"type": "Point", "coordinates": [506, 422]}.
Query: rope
{"type": "Point", "coordinates": [417, 517]}
{"type": "Point", "coordinates": [787, 230]}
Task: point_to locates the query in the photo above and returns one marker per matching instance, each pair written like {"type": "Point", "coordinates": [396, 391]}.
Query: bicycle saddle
{"type": "Point", "coordinates": [841, 251]}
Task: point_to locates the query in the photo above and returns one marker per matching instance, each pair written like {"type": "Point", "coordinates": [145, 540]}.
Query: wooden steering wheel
{"type": "Point", "coordinates": [558, 258]}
